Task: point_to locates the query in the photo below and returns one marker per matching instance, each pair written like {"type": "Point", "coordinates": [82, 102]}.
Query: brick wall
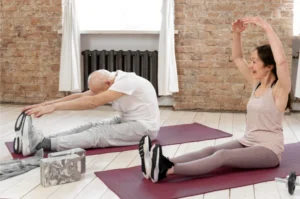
{"type": "Point", "coordinates": [30, 50]}
{"type": "Point", "coordinates": [207, 79]}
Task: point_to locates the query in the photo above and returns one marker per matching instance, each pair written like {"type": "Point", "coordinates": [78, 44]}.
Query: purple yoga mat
{"type": "Point", "coordinates": [130, 183]}
{"type": "Point", "coordinates": [167, 135]}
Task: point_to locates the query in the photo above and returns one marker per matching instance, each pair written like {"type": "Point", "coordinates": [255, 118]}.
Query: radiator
{"type": "Point", "coordinates": [143, 63]}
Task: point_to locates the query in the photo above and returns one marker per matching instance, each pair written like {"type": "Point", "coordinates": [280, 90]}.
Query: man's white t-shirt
{"type": "Point", "coordinates": [139, 103]}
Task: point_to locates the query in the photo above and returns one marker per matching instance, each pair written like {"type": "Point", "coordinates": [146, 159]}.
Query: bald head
{"type": "Point", "coordinates": [100, 81]}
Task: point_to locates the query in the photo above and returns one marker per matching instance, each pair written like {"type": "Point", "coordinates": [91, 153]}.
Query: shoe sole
{"type": "Point", "coordinates": [144, 151]}
{"type": "Point", "coordinates": [17, 144]}
{"type": "Point", "coordinates": [25, 139]}
{"type": "Point", "coordinates": [155, 154]}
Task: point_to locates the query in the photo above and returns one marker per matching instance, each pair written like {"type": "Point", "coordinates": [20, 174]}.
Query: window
{"type": "Point", "coordinates": [296, 25]}
{"type": "Point", "coordinates": [119, 14]}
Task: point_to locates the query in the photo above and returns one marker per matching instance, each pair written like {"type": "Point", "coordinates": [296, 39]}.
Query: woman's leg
{"type": "Point", "coordinates": [247, 158]}
{"type": "Point", "coordinates": [207, 151]}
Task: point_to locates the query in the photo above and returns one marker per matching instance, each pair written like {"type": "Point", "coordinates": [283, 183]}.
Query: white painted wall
{"type": "Point", "coordinates": [119, 42]}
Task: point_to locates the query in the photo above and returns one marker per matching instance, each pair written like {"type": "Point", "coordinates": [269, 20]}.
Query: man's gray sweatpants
{"type": "Point", "coordinates": [105, 133]}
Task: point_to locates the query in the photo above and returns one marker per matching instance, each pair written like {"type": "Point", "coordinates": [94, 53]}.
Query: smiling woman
{"type": "Point", "coordinates": [268, 69]}
{"type": "Point", "coordinates": [263, 58]}
{"type": "Point", "coordinates": [262, 145]}
{"type": "Point", "coordinates": [119, 14]}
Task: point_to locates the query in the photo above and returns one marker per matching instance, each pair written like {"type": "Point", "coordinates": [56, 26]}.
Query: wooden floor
{"type": "Point", "coordinates": [28, 184]}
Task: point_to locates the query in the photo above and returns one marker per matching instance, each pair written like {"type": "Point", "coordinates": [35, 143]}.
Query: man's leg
{"type": "Point", "coordinates": [123, 134]}
{"type": "Point", "coordinates": [34, 139]}
{"type": "Point", "coordinates": [247, 158]}
{"type": "Point", "coordinates": [46, 142]}
{"type": "Point", "coordinates": [207, 151]}
{"type": "Point", "coordinates": [81, 128]}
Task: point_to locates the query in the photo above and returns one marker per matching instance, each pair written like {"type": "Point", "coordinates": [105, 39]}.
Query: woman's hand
{"type": "Point", "coordinates": [257, 21]}
{"type": "Point", "coordinates": [238, 26]}
{"type": "Point", "coordinates": [40, 110]}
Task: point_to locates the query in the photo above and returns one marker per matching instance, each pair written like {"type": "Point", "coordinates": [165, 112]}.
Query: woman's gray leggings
{"type": "Point", "coordinates": [231, 154]}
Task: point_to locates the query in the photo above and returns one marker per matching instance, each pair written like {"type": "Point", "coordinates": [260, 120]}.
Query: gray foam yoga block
{"type": "Point", "coordinates": [60, 170]}
{"type": "Point", "coordinates": [78, 151]}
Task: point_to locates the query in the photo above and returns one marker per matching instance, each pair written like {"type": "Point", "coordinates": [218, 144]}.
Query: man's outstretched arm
{"type": "Point", "coordinates": [82, 103]}
{"type": "Point", "coordinates": [64, 99]}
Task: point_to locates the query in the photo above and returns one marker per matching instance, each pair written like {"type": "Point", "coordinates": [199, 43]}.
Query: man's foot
{"type": "Point", "coordinates": [144, 150]}
{"type": "Point", "coordinates": [31, 137]}
{"type": "Point", "coordinates": [160, 164]}
{"type": "Point", "coordinates": [17, 146]}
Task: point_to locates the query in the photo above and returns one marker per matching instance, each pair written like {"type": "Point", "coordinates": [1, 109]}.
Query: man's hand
{"type": "Point", "coordinates": [40, 110]}
{"type": "Point", "coordinates": [33, 106]}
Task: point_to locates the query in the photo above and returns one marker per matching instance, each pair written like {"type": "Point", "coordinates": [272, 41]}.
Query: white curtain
{"type": "Point", "coordinates": [167, 69]}
{"type": "Point", "coordinates": [297, 88]}
{"type": "Point", "coordinates": [70, 72]}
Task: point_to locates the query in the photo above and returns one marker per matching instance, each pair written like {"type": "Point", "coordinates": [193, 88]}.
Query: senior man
{"type": "Point", "coordinates": [133, 96]}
